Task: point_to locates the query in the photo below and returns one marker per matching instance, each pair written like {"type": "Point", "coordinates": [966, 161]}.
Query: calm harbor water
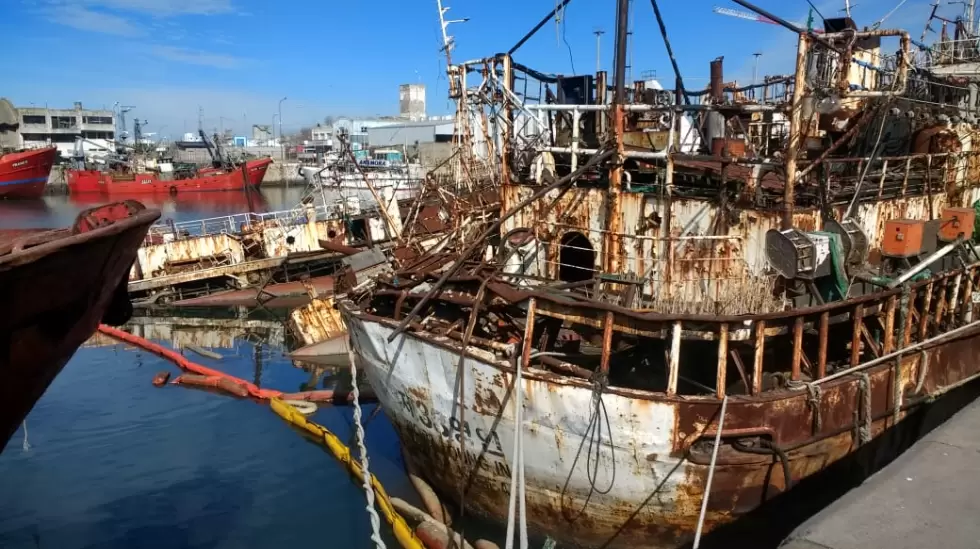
{"type": "Point", "coordinates": [108, 460]}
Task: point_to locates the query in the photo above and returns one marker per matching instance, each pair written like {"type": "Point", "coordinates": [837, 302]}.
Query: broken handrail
{"type": "Point", "coordinates": [494, 227]}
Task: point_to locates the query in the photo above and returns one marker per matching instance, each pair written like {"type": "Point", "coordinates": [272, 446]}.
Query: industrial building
{"type": "Point", "coordinates": [410, 133]}
{"type": "Point", "coordinates": [42, 126]}
{"type": "Point", "coordinates": [411, 102]}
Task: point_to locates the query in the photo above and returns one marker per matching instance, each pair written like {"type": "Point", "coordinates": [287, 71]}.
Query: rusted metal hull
{"type": "Point", "coordinates": [649, 481]}
{"type": "Point", "coordinates": [283, 294]}
{"type": "Point", "coordinates": [694, 257]}
{"type": "Point", "coordinates": [56, 288]}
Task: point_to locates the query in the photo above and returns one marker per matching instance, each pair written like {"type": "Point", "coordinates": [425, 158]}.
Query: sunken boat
{"type": "Point", "coordinates": [692, 299]}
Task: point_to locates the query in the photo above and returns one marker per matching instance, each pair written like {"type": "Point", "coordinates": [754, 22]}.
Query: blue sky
{"type": "Point", "coordinates": [237, 58]}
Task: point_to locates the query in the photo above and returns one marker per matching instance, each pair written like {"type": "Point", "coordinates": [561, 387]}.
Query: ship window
{"type": "Point", "coordinates": [35, 119]}
{"type": "Point", "coordinates": [97, 119]}
{"type": "Point", "coordinates": [576, 258]}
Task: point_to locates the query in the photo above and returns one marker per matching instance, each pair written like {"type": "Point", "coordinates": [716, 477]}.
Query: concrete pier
{"type": "Point", "coordinates": [928, 497]}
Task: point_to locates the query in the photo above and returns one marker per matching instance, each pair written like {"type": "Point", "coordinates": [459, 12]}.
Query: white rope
{"type": "Point", "coordinates": [711, 472]}
{"type": "Point", "coordinates": [365, 473]}
{"type": "Point", "coordinates": [517, 458]}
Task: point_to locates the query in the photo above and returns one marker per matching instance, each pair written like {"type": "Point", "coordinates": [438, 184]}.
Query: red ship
{"type": "Point", "coordinates": [206, 179]}
{"type": "Point", "coordinates": [24, 174]}
{"type": "Point", "coordinates": [56, 287]}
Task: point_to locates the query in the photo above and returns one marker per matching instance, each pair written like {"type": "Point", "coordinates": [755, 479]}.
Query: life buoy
{"type": "Point", "coordinates": [302, 406]}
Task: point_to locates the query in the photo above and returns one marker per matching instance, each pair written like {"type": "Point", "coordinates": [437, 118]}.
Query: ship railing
{"type": "Point", "coordinates": [810, 345]}
{"type": "Point", "coordinates": [235, 223]}
{"type": "Point", "coordinates": [948, 52]}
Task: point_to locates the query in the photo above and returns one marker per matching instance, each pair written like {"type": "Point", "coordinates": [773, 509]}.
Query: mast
{"type": "Point", "coordinates": [795, 131]}
{"type": "Point", "coordinates": [613, 244]}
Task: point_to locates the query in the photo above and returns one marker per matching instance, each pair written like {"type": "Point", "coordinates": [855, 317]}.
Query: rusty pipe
{"type": "Point", "coordinates": [901, 75]}
{"type": "Point", "coordinates": [493, 228]}
{"type": "Point", "coordinates": [717, 82]}
{"type": "Point", "coordinates": [337, 247]}
{"type": "Point", "coordinates": [865, 118]}
{"type": "Point", "coordinates": [795, 132]}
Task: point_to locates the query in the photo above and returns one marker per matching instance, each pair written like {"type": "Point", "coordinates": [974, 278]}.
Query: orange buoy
{"type": "Point", "coordinates": [161, 379]}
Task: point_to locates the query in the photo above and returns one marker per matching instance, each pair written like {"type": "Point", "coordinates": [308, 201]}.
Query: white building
{"type": "Point", "coordinates": [411, 101]}
{"type": "Point", "coordinates": [41, 126]}
{"type": "Point", "coordinates": [357, 129]}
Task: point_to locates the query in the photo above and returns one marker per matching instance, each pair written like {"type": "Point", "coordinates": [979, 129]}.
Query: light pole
{"type": "Point", "coordinates": [755, 68]}
{"type": "Point", "coordinates": [282, 145]}
{"type": "Point", "coordinates": [273, 129]}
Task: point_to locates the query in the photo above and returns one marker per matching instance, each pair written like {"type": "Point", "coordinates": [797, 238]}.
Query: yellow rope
{"type": "Point", "coordinates": [403, 533]}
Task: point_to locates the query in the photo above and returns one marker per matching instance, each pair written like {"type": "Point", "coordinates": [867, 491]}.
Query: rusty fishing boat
{"type": "Point", "coordinates": [692, 299]}
{"type": "Point", "coordinates": [56, 286]}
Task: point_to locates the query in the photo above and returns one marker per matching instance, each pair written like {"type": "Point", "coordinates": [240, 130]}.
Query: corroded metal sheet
{"type": "Point", "coordinates": [153, 259]}
{"type": "Point", "coordinates": [317, 321]}
{"type": "Point", "coordinates": [710, 256]}
{"type": "Point", "coordinates": [416, 382]}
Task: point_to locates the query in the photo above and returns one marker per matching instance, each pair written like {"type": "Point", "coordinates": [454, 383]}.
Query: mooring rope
{"type": "Point", "coordinates": [814, 395]}
{"type": "Point", "coordinates": [517, 473]}
{"type": "Point", "coordinates": [864, 426]}
{"type": "Point", "coordinates": [365, 472]}
{"type": "Point", "coordinates": [923, 371]}
{"type": "Point", "coordinates": [711, 472]}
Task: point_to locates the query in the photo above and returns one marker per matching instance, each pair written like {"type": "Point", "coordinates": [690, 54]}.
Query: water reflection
{"type": "Point", "coordinates": [23, 213]}
{"type": "Point", "coordinates": [61, 210]}
{"type": "Point", "coordinates": [204, 204]}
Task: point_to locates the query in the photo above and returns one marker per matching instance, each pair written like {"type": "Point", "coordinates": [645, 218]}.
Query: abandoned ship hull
{"type": "Point", "coordinates": [649, 480]}
{"type": "Point", "coordinates": [57, 287]}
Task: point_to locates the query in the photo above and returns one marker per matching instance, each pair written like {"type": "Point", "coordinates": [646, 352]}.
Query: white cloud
{"type": "Point", "coordinates": [163, 8]}
{"type": "Point", "coordinates": [84, 19]}
{"type": "Point", "coordinates": [196, 57]}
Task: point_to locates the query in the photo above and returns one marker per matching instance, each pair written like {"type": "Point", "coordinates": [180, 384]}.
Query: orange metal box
{"type": "Point", "coordinates": [903, 238]}
{"type": "Point", "coordinates": [956, 221]}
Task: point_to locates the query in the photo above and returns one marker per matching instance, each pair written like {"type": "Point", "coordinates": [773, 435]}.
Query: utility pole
{"type": "Point", "coordinates": [598, 48]}
{"type": "Point", "coordinates": [755, 68]}
{"type": "Point", "coordinates": [282, 145]}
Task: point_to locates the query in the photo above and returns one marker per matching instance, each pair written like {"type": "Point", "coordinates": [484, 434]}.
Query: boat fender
{"type": "Point", "coordinates": [173, 189]}
{"type": "Point", "coordinates": [302, 406]}
{"type": "Point", "coordinates": [437, 536]}
{"type": "Point", "coordinates": [161, 379]}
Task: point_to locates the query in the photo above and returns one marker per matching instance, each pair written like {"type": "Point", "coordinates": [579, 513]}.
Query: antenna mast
{"type": "Point", "coordinates": [598, 32]}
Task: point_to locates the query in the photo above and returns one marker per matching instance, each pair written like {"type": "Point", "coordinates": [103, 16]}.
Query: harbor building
{"type": "Point", "coordinates": [43, 126]}
{"type": "Point", "coordinates": [410, 133]}
{"type": "Point", "coordinates": [411, 101]}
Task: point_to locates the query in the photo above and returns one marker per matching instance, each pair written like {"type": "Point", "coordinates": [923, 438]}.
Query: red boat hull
{"type": "Point", "coordinates": [56, 287]}
{"type": "Point", "coordinates": [24, 174]}
{"type": "Point", "coordinates": [91, 181]}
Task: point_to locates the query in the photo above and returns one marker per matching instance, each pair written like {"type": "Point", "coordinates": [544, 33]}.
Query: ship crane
{"type": "Point", "coordinates": [753, 17]}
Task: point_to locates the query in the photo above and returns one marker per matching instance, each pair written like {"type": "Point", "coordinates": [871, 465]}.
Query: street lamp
{"type": "Point", "coordinates": [282, 146]}
{"type": "Point", "coordinates": [273, 129]}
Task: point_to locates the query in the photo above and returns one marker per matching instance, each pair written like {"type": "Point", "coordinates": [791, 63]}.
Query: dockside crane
{"type": "Point", "coordinates": [757, 18]}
